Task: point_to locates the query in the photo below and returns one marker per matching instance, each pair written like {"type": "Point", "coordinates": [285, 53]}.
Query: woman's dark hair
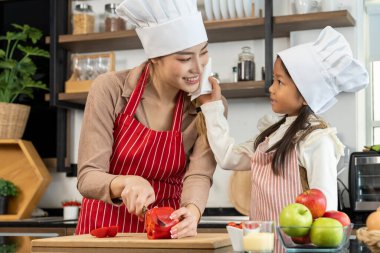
{"type": "Point", "coordinates": [287, 143]}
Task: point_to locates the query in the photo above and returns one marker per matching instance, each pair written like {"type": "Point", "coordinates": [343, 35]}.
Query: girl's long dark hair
{"type": "Point", "coordinates": [284, 146]}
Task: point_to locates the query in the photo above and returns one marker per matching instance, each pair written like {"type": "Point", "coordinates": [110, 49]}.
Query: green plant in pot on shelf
{"type": "Point", "coordinates": [7, 190]}
{"type": "Point", "coordinates": [17, 76]}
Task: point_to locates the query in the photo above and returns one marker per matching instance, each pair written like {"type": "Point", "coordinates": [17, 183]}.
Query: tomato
{"type": "Point", "coordinates": [231, 224]}
{"type": "Point", "coordinates": [235, 225]}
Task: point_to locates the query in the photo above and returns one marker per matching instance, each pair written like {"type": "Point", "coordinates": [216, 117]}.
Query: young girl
{"type": "Point", "coordinates": [299, 150]}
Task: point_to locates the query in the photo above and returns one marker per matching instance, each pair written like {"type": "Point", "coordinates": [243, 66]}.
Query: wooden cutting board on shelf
{"type": "Point", "coordinates": [240, 191]}
{"type": "Point", "coordinates": [131, 242]}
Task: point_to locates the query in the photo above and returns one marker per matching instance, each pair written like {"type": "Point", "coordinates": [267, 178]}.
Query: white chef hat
{"type": "Point", "coordinates": [164, 26]}
{"type": "Point", "coordinates": [323, 69]}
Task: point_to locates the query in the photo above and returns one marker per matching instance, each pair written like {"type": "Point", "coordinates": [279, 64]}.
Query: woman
{"type": "Point", "coordinates": [139, 144]}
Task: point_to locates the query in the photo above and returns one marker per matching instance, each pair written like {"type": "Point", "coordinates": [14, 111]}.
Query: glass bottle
{"type": "Point", "coordinates": [112, 22]}
{"type": "Point", "coordinates": [83, 19]}
{"type": "Point", "coordinates": [246, 65]}
{"type": "Point", "coordinates": [234, 75]}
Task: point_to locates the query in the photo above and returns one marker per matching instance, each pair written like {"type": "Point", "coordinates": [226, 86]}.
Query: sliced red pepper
{"type": "Point", "coordinates": [99, 232]}
{"type": "Point", "coordinates": [158, 222]}
{"type": "Point", "coordinates": [112, 231]}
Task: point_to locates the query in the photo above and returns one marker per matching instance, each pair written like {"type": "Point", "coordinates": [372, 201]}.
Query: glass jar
{"type": "Point", "coordinates": [112, 22]}
{"type": "Point", "coordinates": [246, 65]}
{"type": "Point", "coordinates": [83, 19]}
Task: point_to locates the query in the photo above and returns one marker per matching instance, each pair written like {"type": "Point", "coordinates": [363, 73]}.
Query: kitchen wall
{"type": "Point", "coordinates": [243, 113]}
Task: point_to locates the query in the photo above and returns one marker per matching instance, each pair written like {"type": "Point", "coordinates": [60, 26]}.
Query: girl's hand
{"type": "Point", "coordinates": [215, 95]}
{"type": "Point", "coordinates": [137, 193]}
{"type": "Point", "coordinates": [188, 222]}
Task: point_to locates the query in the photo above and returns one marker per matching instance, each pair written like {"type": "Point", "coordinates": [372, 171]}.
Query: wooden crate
{"type": "Point", "coordinates": [21, 164]}
{"type": "Point", "coordinates": [74, 84]}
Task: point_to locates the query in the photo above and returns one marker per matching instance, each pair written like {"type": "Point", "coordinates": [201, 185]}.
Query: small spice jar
{"type": "Point", "coordinates": [112, 22]}
{"type": "Point", "coordinates": [246, 65]}
{"type": "Point", "coordinates": [83, 19]}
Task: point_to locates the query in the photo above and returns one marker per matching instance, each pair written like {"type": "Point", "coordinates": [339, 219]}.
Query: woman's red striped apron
{"type": "Point", "coordinates": [270, 193]}
{"type": "Point", "coordinates": [157, 156]}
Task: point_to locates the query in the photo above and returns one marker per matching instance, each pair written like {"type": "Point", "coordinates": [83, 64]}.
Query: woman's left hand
{"type": "Point", "coordinates": [188, 224]}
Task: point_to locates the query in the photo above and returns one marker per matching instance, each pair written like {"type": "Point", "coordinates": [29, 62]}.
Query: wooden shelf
{"type": "Point", "coordinates": [246, 89]}
{"type": "Point", "coordinates": [218, 31]}
{"type": "Point", "coordinates": [229, 90]}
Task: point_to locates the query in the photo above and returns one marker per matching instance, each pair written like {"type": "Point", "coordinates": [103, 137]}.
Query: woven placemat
{"type": "Point", "coordinates": [370, 238]}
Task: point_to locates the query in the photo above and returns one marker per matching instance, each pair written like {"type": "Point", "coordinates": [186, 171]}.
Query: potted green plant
{"type": "Point", "coordinates": [17, 72]}
{"type": "Point", "coordinates": [7, 190]}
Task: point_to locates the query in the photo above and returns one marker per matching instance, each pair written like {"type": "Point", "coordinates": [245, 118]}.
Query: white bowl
{"type": "Point", "coordinates": [247, 6]}
{"type": "Point", "coordinates": [239, 8]}
{"type": "Point", "coordinates": [236, 237]}
{"type": "Point", "coordinates": [231, 8]}
{"type": "Point", "coordinates": [224, 9]}
{"type": "Point", "coordinates": [208, 9]}
{"type": "Point", "coordinates": [216, 10]}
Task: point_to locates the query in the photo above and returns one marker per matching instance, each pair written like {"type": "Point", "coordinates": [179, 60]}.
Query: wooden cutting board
{"type": "Point", "coordinates": [240, 191]}
{"type": "Point", "coordinates": [130, 242]}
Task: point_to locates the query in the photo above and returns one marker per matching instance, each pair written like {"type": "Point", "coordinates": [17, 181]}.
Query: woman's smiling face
{"type": "Point", "coordinates": [183, 69]}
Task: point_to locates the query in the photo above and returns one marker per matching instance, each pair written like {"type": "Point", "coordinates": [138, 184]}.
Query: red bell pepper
{"type": "Point", "coordinates": [158, 222]}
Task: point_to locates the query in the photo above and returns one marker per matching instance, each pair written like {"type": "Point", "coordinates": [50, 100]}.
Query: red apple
{"type": "Point", "coordinates": [339, 216]}
{"type": "Point", "coordinates": [301, 240]}
{"type": "Point", "coordinates": [315, 200]}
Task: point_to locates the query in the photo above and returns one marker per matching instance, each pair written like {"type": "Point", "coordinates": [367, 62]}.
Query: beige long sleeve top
{"type": "Point", "coordinates": [108, 95]}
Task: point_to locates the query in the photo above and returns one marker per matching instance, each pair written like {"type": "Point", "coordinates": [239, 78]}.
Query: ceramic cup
{"type": "Point", "coordinates": [330, 5]}
{"type": "Point", "coordinates": [306, 6]}
{"type": "Point", "coordinates": [70, 212]}
{"type": "Point", "coordinates": [258, 236]}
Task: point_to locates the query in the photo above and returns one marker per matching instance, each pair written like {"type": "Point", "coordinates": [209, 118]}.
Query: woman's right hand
{"type": "Point", "coordinates": [215, 95]}
{"type": "Point", "coordinates": [137, 193]}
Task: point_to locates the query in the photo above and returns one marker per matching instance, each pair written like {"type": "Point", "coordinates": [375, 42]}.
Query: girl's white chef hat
{"type": "Point", "coordinates": [323, 69]}
{"type": "Point", "coordinates": [164, 26]}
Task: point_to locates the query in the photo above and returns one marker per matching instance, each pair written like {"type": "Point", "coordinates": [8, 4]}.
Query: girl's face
{"type": "Point", "coordinates": [284, 95]}
{"type": "Point", "coordinates": [182, 70]}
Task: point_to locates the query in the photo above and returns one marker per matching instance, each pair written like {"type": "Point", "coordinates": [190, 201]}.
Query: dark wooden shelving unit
{"type": "Point", "coordinates": [62, 43]}
{"type": "Point", "coordinates": [217, 31]}
{"type": "Point", "coordinates": [229, 90]}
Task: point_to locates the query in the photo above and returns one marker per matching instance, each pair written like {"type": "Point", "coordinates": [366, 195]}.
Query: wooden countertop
{"type": "Point", "coordinates": [123, 242]}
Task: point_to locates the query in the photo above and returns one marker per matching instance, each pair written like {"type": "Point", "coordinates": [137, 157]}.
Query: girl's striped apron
{"type": "Point", "coordinates": [270, 193]}
{"type": "Point", "coordinates": [157, 156]}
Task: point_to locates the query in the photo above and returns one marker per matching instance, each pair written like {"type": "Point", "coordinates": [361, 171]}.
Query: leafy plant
{"type": "Point", "coordinates": [8, 248]}
{"type": "Point", "coordinates": [7, 188]}
{"type": "Point", "coordinates": [17, 72]}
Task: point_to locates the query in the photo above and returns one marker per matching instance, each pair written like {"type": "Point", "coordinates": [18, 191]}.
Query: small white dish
{"type": "Point", "coordinates": [224, 9]}
{"type": "Point", "coordinates": [239, 8]}
{"type": "Point", "coordinates": [236, 237]}
{"type": "Point", "coordinates": [231, 8]}
{"type": "Point", "coordinates": [259, 8]}
{"type": "Point", "coordinates": [216, 9]}
{"type": "Point", "coordinates": [247, 6]}
{"type": "Point", "coordinates": [208, 10]}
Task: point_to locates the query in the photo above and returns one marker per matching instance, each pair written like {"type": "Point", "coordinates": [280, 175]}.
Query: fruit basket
{"type": "Point", "coordinates": [370, 237]}
{"type": "Point", "coordinates": [291, 246]}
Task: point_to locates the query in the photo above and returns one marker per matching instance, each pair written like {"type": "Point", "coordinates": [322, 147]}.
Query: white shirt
{"type": "Point", "coordinates": [319, 152]}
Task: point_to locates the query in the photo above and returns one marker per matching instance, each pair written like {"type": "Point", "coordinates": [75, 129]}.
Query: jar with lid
{"type": "Point", "coordinates": [83, 19]}
{"type": "Point", "coordinates": [112, 22]}
{"type": "Point", "coordinates": [246, 65]}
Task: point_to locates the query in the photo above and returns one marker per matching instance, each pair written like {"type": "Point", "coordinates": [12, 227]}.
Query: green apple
{"type": "Point", "coordinates": [295, 220]}
{"type": "Point", "coordinates": [326, 232]}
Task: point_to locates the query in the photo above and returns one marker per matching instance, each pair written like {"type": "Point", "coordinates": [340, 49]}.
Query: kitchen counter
{"type": "Point", "coordinates": [46, 227]}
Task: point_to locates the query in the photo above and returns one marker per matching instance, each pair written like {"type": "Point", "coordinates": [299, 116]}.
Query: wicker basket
{"type": "Point", "coordinates": [370, 238]}
{"type": "Point", "coordinates": [13, 118]}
